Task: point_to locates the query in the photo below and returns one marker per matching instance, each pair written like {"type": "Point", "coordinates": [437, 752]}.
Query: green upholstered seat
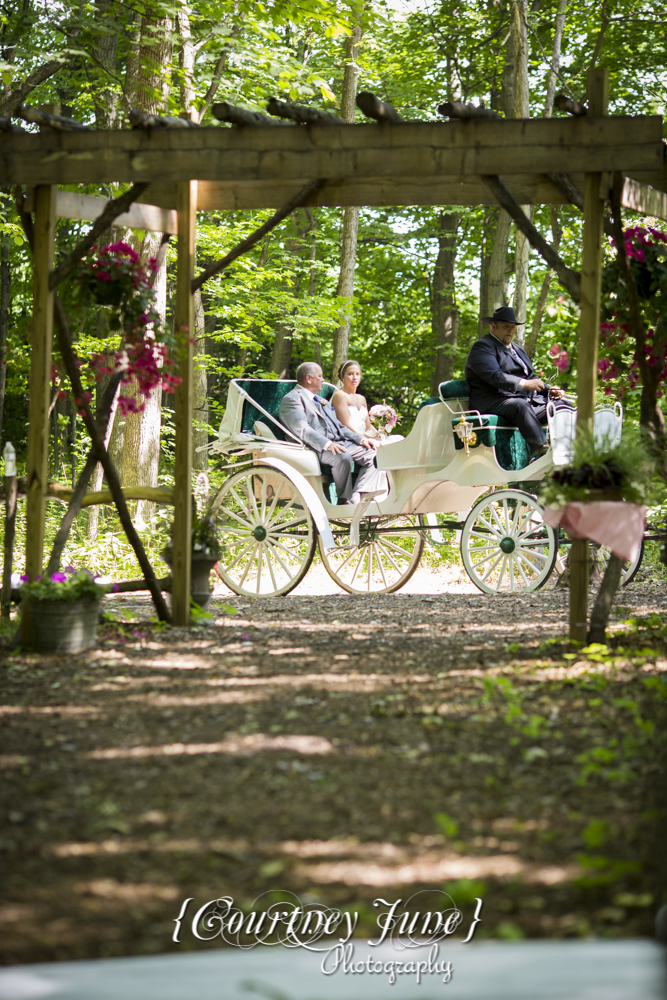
{"type": "Point", "coordinates": [457, 388]}
{"type": "Point", "coordinates": [512, 451]}
{"type": "Point", "coordinates": [269, 393]}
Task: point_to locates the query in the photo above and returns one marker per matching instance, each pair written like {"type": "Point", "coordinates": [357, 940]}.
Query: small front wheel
{"type": "Point", "coordinates": [266, 530]}
{"type": "Point", "coordinates": [506, 546]}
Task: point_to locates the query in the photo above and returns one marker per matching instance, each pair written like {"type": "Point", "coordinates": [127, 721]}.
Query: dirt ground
{"type": "Point", "coordinates": [342, 748]}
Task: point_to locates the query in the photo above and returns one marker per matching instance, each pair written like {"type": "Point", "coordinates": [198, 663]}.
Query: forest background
{"type": "Point", "coordinates": [401, 290]}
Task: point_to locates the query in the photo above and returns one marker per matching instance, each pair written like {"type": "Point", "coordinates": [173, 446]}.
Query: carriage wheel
{"type": "Point", "coordinates": [630, 569]}
{"type": "Point", "coordinates": [267, 533]}
{"type": "Point", "coordinates": [382, 562]}
{"type": "Point", "coordinates": [506, 546]}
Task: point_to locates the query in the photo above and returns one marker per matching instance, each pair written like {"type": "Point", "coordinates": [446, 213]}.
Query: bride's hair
{"type": "Point", "coordinates": [344, 367]}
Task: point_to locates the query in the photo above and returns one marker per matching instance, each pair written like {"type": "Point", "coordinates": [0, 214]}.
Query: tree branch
{"type": "Point", "coordinates": [299, 199]}
{"type": "Point", "coordinates": [13, 100]}
{"type": "Point", "coordinates": [570, 279]}
{"type": "Point", "coordinates": [111, 212]}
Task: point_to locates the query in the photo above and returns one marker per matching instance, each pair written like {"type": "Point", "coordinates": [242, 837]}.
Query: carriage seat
{"type": "Point", "coordinates": [512, 451]}
{"type": "Point", "coordinates": [269, 394]}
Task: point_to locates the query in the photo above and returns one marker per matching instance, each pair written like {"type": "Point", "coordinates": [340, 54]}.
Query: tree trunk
{"type": "Point", "coordinates": [556, 228]}
{"type": "Point", "coordinates": [147, 89]}
{"type": "Point", "coordinates": [141, 444]}
{"type": "Point", "coordinates": [555, 59]}
{"type": "Point", "coordinates": [4, 328]}
{"type": "Point", "coordinates": [444, 312]}
{"type": "Point", "coordinates": [200, 425]}
{"type": "Point", "coordinates": [611, 581]}
{"type": "Point", "coordinates": [557, 233]}
{"type": "Point", "coordinates": [105, 51]}
{"type": "Point", "coordinates": [350, 230]}
{"type": "Point", "coordinates": [281, 358]}
{"type": "Point", "coordinates": [147, 83]}
{"type": "Point", "coordinates": [497, 278]}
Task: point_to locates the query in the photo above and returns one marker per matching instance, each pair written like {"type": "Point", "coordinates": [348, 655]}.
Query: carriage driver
{"type": "Point", "coordinates": [502, 381]}
{"type": "Point", "coordinates": [314, 422]}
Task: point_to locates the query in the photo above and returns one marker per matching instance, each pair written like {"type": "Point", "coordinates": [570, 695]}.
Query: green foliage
{"type": "Point", "coordinates": [447, 825]}
{"type": "Point", "coordinates": [68, 586]}
{"type": "Point", "coordinates": [600, 467]}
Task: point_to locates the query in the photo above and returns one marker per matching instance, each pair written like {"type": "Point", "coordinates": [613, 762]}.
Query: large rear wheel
{"type": "Point", "coordinates": [266, 530]}
{"type": "Point", "coordinates": [388, 553]}
{"type": "Point", "coordinates": [506, 546]}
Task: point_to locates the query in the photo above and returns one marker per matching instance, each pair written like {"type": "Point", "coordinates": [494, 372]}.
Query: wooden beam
{"type": "Point", "coordinates": [534, 189]}
{"type": "Point", "coordinates": [182, 535]}
{"type": "Point", "coordinates": [70, 205]}
{"type": "Point", "coordinates": [390, 151]}
{"type": "Point", "coordinates": [589, 337]}
{"type": "Point", "coordinates": [41, 342]}
{"type": "Point", "coordinates": [642, 198]}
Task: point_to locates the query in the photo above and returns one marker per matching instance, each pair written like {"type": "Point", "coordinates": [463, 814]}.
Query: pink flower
{"type": "Point", "coordinates": [59, 578]}
{"type": "Point", "coordinates": [554, 350]}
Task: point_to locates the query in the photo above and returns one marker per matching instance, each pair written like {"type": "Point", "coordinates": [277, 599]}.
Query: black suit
{"type": "Point", "coordinates": [494, 374]}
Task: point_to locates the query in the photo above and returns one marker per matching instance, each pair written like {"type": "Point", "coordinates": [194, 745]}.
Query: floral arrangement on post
{"type": "Point", "coordinates": [116, 278]}
{"type": "Point", "coordinates": [72, 585]}
{"type": "Point", "coordinates": [600, 471]}
{"type": "Point", "coordinates": [383, 418]}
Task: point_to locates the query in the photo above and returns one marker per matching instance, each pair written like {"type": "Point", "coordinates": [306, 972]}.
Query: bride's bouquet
{"type": "Point", "coordinates": [383, 418]}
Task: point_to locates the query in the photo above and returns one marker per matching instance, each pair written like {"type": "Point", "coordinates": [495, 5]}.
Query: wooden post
{"type": "Point", "coordinates": [182, 550]}
{"type": "Point", "coordinates": [589, 335]}
{"type": "Point", "coordinates": [11, 494]}
{"type": "Point", "coordinates": [40, 378]}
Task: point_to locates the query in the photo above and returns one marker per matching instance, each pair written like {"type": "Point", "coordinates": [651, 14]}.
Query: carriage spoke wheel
{"type": "Point", "coordinates": [267, 534]}
{"type": "Point", "coordinates": [384, 559]}
{"type": "Point", "coordinates": [506, 546]}
{"type": "Point", "coordinates": [599, 557]}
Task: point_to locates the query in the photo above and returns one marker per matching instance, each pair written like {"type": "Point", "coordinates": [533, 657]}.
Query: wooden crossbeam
{"type": "Point", "coordinates": [642, 198]}
{"type": "Point", "coordinates": [87, 208]}
{"type": "Point", "coordinates": [356, 152]}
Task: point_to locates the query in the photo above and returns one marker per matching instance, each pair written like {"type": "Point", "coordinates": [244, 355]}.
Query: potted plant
{"type": "Point", "coordinates": [206, 551]}
{"type": "Point", "coordinates": [600, 471]}
{"type": "Point", "coordinates": [62, 611]}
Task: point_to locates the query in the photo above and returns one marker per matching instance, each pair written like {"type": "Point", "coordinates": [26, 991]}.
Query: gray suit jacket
{"type": "Point", "coordinates": [312, 422]}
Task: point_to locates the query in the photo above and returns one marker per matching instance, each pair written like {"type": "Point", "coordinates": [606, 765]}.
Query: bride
{"type": "Point", "coordinates": [350, 406]}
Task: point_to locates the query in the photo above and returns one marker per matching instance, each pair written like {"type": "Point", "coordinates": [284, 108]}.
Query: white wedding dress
{"type": "Point", "coordinates": [358, 418]}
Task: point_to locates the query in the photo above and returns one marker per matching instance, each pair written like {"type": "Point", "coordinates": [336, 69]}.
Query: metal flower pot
{"type": "Point", "coordinates": [199, 575]}
{"type": "Point", "coordinates": [62, 626]}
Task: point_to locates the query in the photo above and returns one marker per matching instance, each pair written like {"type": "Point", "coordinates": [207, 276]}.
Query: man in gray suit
{"type": "Point", "coordinates": [314, 422]}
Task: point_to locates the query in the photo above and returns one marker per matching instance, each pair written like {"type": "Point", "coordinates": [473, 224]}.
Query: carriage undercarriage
{"type": "Point", "coordinates": [276, 509]}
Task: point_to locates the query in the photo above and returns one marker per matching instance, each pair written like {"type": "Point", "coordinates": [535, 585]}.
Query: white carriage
{"type": "Point", "coordinates": [457, 469]}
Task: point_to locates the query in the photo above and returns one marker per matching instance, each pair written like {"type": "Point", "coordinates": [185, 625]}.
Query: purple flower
{"type": "Point", "coordinates": [116, 588]}
{"type": "Point", "coordinates": [59, 578]}
{"type": "Point", "coordinates": [25, 578]}
{"type": "Point", "coordinates": [70, 569]}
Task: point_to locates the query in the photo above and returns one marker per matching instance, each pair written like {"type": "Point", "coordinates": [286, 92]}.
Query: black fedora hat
{"type": "Point", "coordinates": [504, 314]}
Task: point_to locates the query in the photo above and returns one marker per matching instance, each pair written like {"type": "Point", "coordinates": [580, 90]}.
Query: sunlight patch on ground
{"type": "Point", "coordinates": [242, 745]}
{"type": "Point", "coordinates": [138, 892]}
{"type": "Point", "coordinates": [437, 869]}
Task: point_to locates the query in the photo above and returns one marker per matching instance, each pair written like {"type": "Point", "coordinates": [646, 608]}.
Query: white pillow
{"type": "Point", "coordinates": [263, 430]}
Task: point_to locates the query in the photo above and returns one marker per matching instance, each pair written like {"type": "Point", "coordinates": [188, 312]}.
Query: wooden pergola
{"type": "Point", "coordinates": [375, 164]}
